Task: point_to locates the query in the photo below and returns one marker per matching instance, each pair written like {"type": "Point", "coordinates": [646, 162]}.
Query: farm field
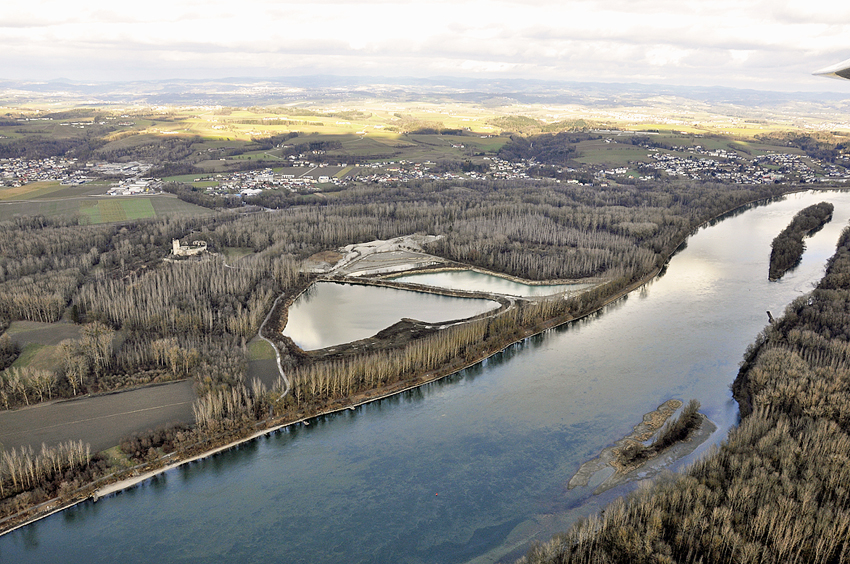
{"type": "Point", "coordinates": [98, 420]}
{"type": "Point", "coordinates": [612, 154]}
{"type": "Point", "coordinates": [102, 210]}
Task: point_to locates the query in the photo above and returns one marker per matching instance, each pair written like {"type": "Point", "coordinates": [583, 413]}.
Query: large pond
{"type": "Point", "coordinates": [473, 281]}
{"type": "Point", "coordinates": [472, 468]}
{"type": "Point", "coordinates": [330, 314]}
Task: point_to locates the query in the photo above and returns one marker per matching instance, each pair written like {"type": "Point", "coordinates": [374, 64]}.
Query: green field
{"type": "Point", "coordinates": [30, 191]}
{"type": "Point", "coordinates": [259, 349]}
{"type": "Point", "coordinates": [34, 332]}
{"type": "Point", "coordinates": [611, 154]}
{"type": "Point", "coordinates": [110, 211]}
{"type": "Point", "coordinates": [102, 210]}
{"type": "Point", "coordinates": [43, 357]}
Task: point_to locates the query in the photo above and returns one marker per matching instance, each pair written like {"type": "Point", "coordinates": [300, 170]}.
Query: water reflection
{"type": "Point", "coordinates": [331, 314]}
{"type": "Point", "coordinates": [472, 281]}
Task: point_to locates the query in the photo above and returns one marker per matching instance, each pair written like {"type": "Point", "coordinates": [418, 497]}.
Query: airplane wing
{"type": "Point", "coordinates": [841, 70]}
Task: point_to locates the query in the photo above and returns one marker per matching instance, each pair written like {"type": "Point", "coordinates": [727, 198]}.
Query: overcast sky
{"type": "Point", "coordinates": [761, 44]}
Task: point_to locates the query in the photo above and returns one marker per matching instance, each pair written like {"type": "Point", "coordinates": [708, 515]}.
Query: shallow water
{"type": "Point", "coordinates": [330, 314]}
{"type": "Point", "coordinates": [473, 281]}
{"type": "Point", "coordinates": [473, 467]}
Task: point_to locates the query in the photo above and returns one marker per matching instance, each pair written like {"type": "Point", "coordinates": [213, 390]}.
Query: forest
{"type": "Point", "coordinates": [787, 248]}
{"type": "Point", "coordinates": [775, 490]}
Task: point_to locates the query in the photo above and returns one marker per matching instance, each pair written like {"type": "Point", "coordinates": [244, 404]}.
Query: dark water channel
{"type": "Point", "coordinates": [474, 467]}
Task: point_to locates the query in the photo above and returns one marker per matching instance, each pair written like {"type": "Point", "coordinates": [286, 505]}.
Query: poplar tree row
{"type": "Point", "coordinates": [25, 469]}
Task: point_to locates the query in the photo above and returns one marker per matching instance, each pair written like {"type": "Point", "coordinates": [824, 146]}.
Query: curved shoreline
{"type": "Point", "coordinates": [120, 485]}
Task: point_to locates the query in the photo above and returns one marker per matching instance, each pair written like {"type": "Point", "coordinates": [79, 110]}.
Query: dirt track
{"type": "Point", "coordinates": [100, 421]}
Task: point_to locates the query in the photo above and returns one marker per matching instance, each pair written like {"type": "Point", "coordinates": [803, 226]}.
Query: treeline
{"type": "Point", "coordinates": [9, 351]}
{"type": "Point", "coordinates": [164, 150]}
{"type": "Point", "coordinates": [37, 147]}
{"type": "Point", "coordinates": [822, 146]}
{"type": "Point", "coordinates": [525, 125]}
{"type": "Point", "coordinates": [787, 248]}
{"type": "Point", "coordinates": [451, 165]}
{"type": "Point", "coordinates": [234, 408]}
{"type": "Point", "coordinates": [776, 490]}
{"type": "Point", "coordinates": [316, 384]}
{"type": "Point", "coordinates": [147, 445]}
{"type": "Point", "coordinates": [29, 476]}
{"type": "Point", "coordinates": [189, 193]}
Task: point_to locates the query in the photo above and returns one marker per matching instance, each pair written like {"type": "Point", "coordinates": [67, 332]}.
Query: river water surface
{"type": "Point", "coordinates": [474, 467]}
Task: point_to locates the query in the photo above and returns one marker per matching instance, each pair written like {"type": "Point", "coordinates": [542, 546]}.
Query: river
{"type": "Point", "coordinates": [474, 467]}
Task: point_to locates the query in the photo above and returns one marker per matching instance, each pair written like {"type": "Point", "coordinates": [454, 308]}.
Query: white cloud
{"type": "Point", "coordinates": [689, 42]}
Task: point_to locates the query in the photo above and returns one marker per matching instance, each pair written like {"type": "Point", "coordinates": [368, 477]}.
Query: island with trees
{"type": "Point", "coordinates": [787, 248]}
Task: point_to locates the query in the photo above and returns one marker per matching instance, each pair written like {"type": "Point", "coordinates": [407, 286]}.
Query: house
{"type": "Point", "coordinates": [178, 250]}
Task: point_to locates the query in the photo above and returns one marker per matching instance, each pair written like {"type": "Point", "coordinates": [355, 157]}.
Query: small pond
{"type": "Point", "coordinates": [329, 314]}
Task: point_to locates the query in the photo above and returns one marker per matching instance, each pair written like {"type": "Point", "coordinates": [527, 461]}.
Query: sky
{"type": "Point", "coordinates": [758, 44]}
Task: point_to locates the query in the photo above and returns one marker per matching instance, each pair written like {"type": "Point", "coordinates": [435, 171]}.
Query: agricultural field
{"type": "Point", "coordinates": [101, 210]}
{"type": "Point", "coordinates": [102, 420]}
{"type": "Point", "coordinates": [600, 152]}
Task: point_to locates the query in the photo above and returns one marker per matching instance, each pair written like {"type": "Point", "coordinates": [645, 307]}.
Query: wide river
{"type": "Point", "coordinates": [474, 467]}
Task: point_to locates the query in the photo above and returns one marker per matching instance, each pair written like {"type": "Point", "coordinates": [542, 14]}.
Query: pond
{"type": "Point", "coordinates": [329, 314]}
{"type": "Point", "coordinates": [472, 281]}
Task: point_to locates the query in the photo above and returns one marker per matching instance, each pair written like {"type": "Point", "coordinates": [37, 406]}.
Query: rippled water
{"type": "Point", "coordinates": [474, 467]}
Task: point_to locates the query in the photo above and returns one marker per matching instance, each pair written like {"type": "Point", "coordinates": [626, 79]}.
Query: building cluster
{"type": "Point", "coordinates": [507, 170]}
{"type": "Point", "coordinates": [19, 171]}
{"type": "Point", "coordinates": [252, 182]}
{"type": "Point", "coordinates": [69, 172]}
{"type": "Point", "coordinates": [728, 166]}
{"type": "Point", "coordinates": [135, 186]}
{"type": "Point", "coordinates": [129, 169]}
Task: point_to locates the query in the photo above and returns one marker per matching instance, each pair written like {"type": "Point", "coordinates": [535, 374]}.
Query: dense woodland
{"type": "Point", "coordinates": [776, 490]}
{"type": "Point", "coordinates": [787, 248]}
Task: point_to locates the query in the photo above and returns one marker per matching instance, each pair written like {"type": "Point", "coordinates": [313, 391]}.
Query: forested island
{"type": "Point", "coordinates": [787, 249]}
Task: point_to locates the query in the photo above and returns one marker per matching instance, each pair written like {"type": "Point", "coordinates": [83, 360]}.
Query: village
{"type": "Point", "coordinates": [305, 176]}
{"type": "Point", "coordinates": [699, 163]}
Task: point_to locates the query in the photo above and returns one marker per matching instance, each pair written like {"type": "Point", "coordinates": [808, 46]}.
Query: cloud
{"type": "Point", "coordinates": [760, 43]}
